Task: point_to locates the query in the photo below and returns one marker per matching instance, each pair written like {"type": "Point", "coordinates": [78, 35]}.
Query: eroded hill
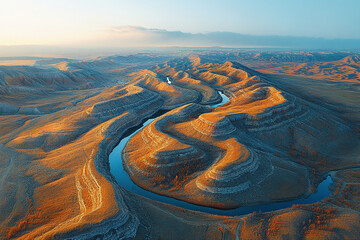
{"type": "Point", "coordinates": [266, 144]}
{"type": "Point", "coordinates": [258, 148]}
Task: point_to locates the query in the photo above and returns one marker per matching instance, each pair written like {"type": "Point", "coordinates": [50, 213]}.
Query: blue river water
{"type": "Point", "coordinates": [123, 179]}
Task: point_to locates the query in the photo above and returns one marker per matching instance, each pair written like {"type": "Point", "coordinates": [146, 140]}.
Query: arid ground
{"type": "Point", "coordinates": [292, 119]}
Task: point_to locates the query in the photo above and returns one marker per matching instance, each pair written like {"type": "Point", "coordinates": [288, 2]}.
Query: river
{"type": "Point", "coordinates": [123, 179]}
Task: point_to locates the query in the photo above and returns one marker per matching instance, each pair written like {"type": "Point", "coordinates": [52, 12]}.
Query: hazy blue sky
{"type": "Point", "coordinates": [74, 22]}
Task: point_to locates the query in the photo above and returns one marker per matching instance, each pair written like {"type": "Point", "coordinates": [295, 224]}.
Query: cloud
{"type": "Point", "coordinates": [129, 39]}
{"type": "Point", "coordinates": [148, 37]}
{"type": "Point", "coordinates": [135, 36]}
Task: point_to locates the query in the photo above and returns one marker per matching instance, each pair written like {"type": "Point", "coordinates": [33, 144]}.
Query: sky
{"type": "Point", "coordinates": [132, 23]}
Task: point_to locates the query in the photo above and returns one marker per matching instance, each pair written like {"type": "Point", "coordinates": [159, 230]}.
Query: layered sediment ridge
{"type": "Point", "coordinates": [213, 127]}
{"type": "Point", "coordinates": [208, 94]}
{"type": "Point", "coordinates": [26, 76]}
{"type": "Point", "coordinates": [72, 146]}
{"type": "Point", "coordinates": [223, 157]}
{"type": "Point", "coordinates": [265, 145]}
{"type": "Point", "coordinates": [226, 176]}
{"type": "Point", "coordinates": [173, 95]}
{"type": "Point", "coordinates": [133, 97]}
{"type": "Point", "coordinates": [102, 108]}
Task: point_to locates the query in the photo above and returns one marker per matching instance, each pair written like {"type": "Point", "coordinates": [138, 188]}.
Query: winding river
{"type": "Point", "coordinates": [123, 179]}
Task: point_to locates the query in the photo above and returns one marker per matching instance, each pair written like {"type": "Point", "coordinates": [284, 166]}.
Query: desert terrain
{"type": "Point", "coordinates": [291, 120]}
